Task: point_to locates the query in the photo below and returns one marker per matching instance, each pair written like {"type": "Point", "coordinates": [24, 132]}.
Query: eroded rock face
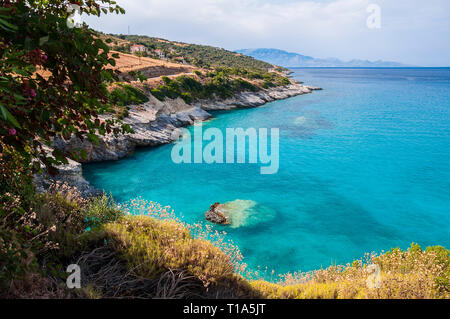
{"type": "Point", "coordinates": [149, 130]}
{"type": "Point", "coordinates": [71, 174]}
{"type": "Point", "coordinates": [254, 99]}
{"type": "Point", "coordinates": [215, 215]}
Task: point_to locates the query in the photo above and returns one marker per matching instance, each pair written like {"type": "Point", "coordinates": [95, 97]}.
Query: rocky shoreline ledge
{"type": "Point", "coordinates": [155, 123]}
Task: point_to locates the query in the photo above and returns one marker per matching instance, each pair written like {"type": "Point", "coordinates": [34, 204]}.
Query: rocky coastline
{"type": "Point", "coordinates": [156, 123]}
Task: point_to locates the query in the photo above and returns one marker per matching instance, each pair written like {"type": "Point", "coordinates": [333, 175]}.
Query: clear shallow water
{"type": "Point", "coordinates": [364, 166]}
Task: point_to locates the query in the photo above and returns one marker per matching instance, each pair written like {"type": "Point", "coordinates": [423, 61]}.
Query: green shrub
{"type": "Point", "coordinates": [18, 227]}
{"type": "Point", "coordinates": [61, 209]}
{"type": "Point", "coordinates": [189, 84]}
{"type": "Point", "coordinates": [166, 80]}
{"type": "Point", "coordinates": [187, 97]}
{"type": "Point", "coordinates": [283, 81]}
{"type": "Point", "coordinates": [101, 210]}
{"type": "Point", "coordinates": [267, 84]}
{"type": "Point", "coordinates": [243, 85]}
{"type": "Point", "coordinates": [158, 94]}
{"type": "Point", "coordinates": [126, 94]}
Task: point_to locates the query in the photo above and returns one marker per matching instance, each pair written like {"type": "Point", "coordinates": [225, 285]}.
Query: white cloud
{"type": "Point", "coordinates": [319, 28]}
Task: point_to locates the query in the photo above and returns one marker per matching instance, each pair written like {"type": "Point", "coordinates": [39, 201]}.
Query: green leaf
{"type": "Point", "coordinates": [93, 138]}
{"type": "Point", "coordinates": [59, 156]}
{"type": "Point", "coordinates": [9, 117]}
{"type": "Point", "coordinates": [83, 154]}
{"type": "Point", "coordinates": [7, 26]}
{"type": "Point", "coordinates": [19, 98]}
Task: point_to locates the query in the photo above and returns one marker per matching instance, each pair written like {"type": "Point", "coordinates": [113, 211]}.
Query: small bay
{"type": "Point", "coordinates": [364, 166]}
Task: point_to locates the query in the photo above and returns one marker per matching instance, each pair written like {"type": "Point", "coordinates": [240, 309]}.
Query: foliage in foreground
{"type": "Point", "coordinates": [53, 79]}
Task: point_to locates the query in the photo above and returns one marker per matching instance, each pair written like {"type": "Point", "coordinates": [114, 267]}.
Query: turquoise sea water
{"type": "Point", "coordinates": [364, 166]}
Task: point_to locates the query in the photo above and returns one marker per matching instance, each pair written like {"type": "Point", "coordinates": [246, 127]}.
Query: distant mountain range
{"type": "Point", "coordinates": [289, 59]}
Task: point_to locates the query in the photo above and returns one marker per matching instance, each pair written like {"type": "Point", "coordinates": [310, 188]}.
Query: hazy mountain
{"type": "Point", "coordinates": [289, 59]}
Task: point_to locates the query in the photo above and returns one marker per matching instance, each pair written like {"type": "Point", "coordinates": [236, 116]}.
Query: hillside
{"type": "Point", "coordinates": [290, 59]}
{"type": "Point", "coordinates": [198, 55]}
{"type": "Point", "coordinates": [191, 72]}
{"type": "Point", "coordinates": [128, 62]}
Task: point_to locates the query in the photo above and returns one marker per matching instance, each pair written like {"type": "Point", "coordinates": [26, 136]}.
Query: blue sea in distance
{"type": "Point", "coordinates": [364, 166]}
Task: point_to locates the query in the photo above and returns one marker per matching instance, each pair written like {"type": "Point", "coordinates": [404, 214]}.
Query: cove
{"type": "Point", "coordinates": [364, 165]}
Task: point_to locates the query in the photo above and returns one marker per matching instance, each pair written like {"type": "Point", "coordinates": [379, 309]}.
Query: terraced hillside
{"type": "Point", "coordinates": [199, 55]}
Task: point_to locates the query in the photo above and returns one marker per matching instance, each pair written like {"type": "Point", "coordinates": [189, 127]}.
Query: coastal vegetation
{"type": "Point", "coordinates": [190, 89]}
{"type": "Point", "coordinates": [56, 82]}
{"type": "Point", "coordinates": [122, 95]}
{"type": "Point", "coordinates": [220, 82]}
{"type": "Point", "coordinates": [225, 73]}
{"type": "Point", "coordinates": [125, 94]}
{"type": "Point", "coordinates": [199, 55]}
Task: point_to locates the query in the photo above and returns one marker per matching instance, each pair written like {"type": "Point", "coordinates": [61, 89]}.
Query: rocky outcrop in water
{"type": "Point", "coordinates": [240, 213]}
{"type": "Point", "coordinates": [215, 215]}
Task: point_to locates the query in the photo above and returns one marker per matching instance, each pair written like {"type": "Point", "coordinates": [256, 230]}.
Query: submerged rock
{"type": "Point", "coordinates": [239, 213]}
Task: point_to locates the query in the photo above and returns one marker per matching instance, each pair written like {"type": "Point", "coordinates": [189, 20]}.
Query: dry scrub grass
{"type": "Point", "coordinates": [150, 253]}
{"type": "Point", "coordinates": [128, 62]}
{"type": "Point", "coordinates": [411, 274]}
{"type": "Point", "coordinates": [152, 246]}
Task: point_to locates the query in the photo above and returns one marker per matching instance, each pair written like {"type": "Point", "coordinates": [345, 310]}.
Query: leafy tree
{"type": "Point", "coordinates": [53, 78]}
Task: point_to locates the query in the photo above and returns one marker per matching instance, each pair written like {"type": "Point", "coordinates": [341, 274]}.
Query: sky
{"type": "Point", "coordinates": [415, 32]}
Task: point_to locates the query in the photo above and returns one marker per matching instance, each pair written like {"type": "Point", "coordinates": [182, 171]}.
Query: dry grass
{"type": "Point", "coordinates": [105, 274]}
{"type": "Point", "coordinates": [35, 286]}
{"type": "Point", "coordinates": [152, 247]}
{"type": "Point", "coordinates": [411, 274]}
{"type": "Point", "coordinates": [128, 62]}
{"type": "Point", "coordinates": [150, 253]}
{"type": "Point", "coordinates": [151, 68]}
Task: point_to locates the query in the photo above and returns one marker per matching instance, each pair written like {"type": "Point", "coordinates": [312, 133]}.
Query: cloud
{"type": "Point", "coordinates": [320, 28]}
